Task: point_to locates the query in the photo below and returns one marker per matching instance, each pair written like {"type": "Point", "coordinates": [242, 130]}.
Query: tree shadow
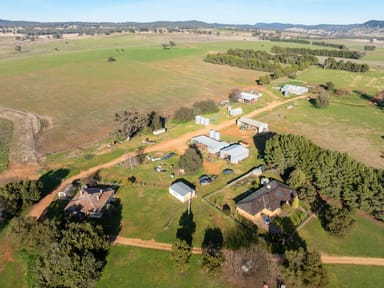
{"type": "Point", "coordinates": [51, 180]}
{"type": "Point", "coordinates": [242, 235]}
{"type": "Point", "coordinates": [111, 220]}
{"type": "Point", "coordinates": [213, 239]}
{"type": "Point", "coordinates": [260, 139]}
{"type": "Point", "coordinates": [186, 227]}
{"type": "Point", "coordinates": [283, 241]}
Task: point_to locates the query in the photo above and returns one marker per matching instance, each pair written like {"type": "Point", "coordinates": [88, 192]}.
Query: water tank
{"type": "Point", "coordinates": [198, 119]}
{"type": "Point", "coordinates": [212, 133]}
{"type": "Point", "coordinates": [217, 135]}
{"type": "Point", "coordinates": [205, 121]}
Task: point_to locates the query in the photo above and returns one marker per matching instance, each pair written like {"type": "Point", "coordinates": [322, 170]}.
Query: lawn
{"type": "Point", "coordinates": [354, 276]}
{"type": "Point", "coordinates": [366, 239]}
{"type": "Point", "coordinates": [136, 267]}
{"type": "Point", "coordinates": [6, 128]}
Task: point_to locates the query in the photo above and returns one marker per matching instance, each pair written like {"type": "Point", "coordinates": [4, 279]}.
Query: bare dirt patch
{"type": "Point", "coordinates": [25, 127]}
{"type": "Point", "coordinates": [212, 167]}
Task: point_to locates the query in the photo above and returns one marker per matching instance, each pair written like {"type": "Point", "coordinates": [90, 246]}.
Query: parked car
{"type": "Point", "coordinates": [169, 155]}
{"type": "Point", "coordinates": [204, 180]}
{"type": "Point", "coordinates": [267, 220]}
{"type": "Point", "coordinates": [227, 171]}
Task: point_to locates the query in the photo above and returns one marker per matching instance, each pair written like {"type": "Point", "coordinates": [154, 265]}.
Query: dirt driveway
{"type": "Point", "coordinates": [178, 143]}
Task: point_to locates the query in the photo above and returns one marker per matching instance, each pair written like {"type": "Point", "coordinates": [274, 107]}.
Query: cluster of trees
{"type": "Point", "coordinates": [326, 44]}
{"type": "Point", "coordinates": [331, 63]}
{"type": "Point", "coordinates": [63, 254]}
{"type": "Point", "coordinates": [169, 45]}
{"type": "Point", "coordinates": [16, 196]}
{"type": "Point", "coordinates": [318, 52]}
{"type": "Point", "coordinates": [130, 122]}
{"type": "Point", "coordinates": [185, 114]}
{"type": "Point", "coordinates": [369, 47]}
{"type": "Point", "coordinates": [304, 269]}
{"type": "Point", "coordinates": [322, 100]}
{"type": "Point", "coordinates": [279, 65]}
{"type": "Point", "coordinates": [191, 161]}
{"type": "Point", "coordinates": [333, 174]}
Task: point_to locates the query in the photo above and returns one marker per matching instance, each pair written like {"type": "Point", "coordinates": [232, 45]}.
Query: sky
{"type": "Point", "coordinates": [212, 11]}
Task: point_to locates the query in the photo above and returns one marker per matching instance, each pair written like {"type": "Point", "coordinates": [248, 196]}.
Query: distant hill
{"type": "Point", "coordinates": [326, 27]}
{"type": "Point", "coordinates": [200, 24]}
{"type": "Point", "coordinates": [373, 24]}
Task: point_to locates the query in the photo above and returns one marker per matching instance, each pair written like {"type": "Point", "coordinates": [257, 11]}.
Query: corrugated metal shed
{"type": "Point", "coordinates": [213, 145]}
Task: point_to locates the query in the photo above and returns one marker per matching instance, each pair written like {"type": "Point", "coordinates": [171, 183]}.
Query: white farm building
{"type": "Point", "coordinates": [234, 153]}
{"type": "Point", "coordinates": [182, 191]}
{"type": "Point", "coordinates": [213, 146]}
{"type": "Point", "coordinates": [293, 89]}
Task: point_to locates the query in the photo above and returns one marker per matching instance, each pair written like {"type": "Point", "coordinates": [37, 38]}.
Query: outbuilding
{"type": "Point", "coordinates": [234, 153]}
{"type": "Point", "coordinates": [182, 191]}
{"type": "Point", "coordinates": [247, 123]}
{"type": "Point", "coordinates": [213, 146]}
{"type": "Point", "coordinates": [246, 97]}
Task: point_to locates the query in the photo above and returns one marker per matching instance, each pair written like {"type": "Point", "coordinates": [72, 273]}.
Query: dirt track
{"type": "Point", "coordinates": [352, 260]}
{"type": "Point", "coordinates": [151, 244]}
{"type": "Point", "coordinates": [179, 144]}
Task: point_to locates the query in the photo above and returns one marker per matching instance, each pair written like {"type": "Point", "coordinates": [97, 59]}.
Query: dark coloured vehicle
{"type": "Point", "coordinates": [227, 171]}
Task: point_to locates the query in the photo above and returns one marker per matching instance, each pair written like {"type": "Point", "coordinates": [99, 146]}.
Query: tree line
{"type": "Point", "coordinates": [331, 63]}
{"type": "Point", "coordinates": [319, 52]}
{"type": "Point", "coordinates": [300, 41]}
{"type": "Point", "coordinates": [279, 65]}
{"type": "Point", "coordinates": [327, 44]}
{"type": "Point", "coordinates": [332, 174]}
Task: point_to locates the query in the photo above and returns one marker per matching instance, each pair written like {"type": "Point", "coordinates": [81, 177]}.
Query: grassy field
{"type": "Point", "coordinates": [135, 267]}
{"type": "Point", "coordinates": [5, 140]}
{"type": "Point", "coordinates": [79, 90]}
{"type": "Point", "coordinates": [348, 119]}
{"type": "Point", "coordinates": [366, 239]}
{"type": "Point", "coordinates": [354, 276]}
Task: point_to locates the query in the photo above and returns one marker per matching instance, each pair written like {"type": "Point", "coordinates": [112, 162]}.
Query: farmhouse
{"type": "Point", "coordinates": [90, 201]}
{"type": "Point", "coordinates": [293, 89]}
{"type": "Point", "coordinates": [213, 146]}
{"type": "Point", "coordinates": [234, 153]}
{"type": "Point", "coordinates": [247, 123]}
{"type": "Point", "coordinates": [182, 191]}
{"type": "Point", "coordinates": [245, 97]}
{"type": "Point", "coordinates": [266, 200]}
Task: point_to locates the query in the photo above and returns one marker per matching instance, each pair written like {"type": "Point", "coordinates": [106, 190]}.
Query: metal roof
{"type": "Point", "coordinates": [235, 149]}
{"type": "Point", "coordinates": [181, 188]}
{"type": "Point", "coordinates": [209, 142]}
{"type": "Point", "coordinates": [251, 122]}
